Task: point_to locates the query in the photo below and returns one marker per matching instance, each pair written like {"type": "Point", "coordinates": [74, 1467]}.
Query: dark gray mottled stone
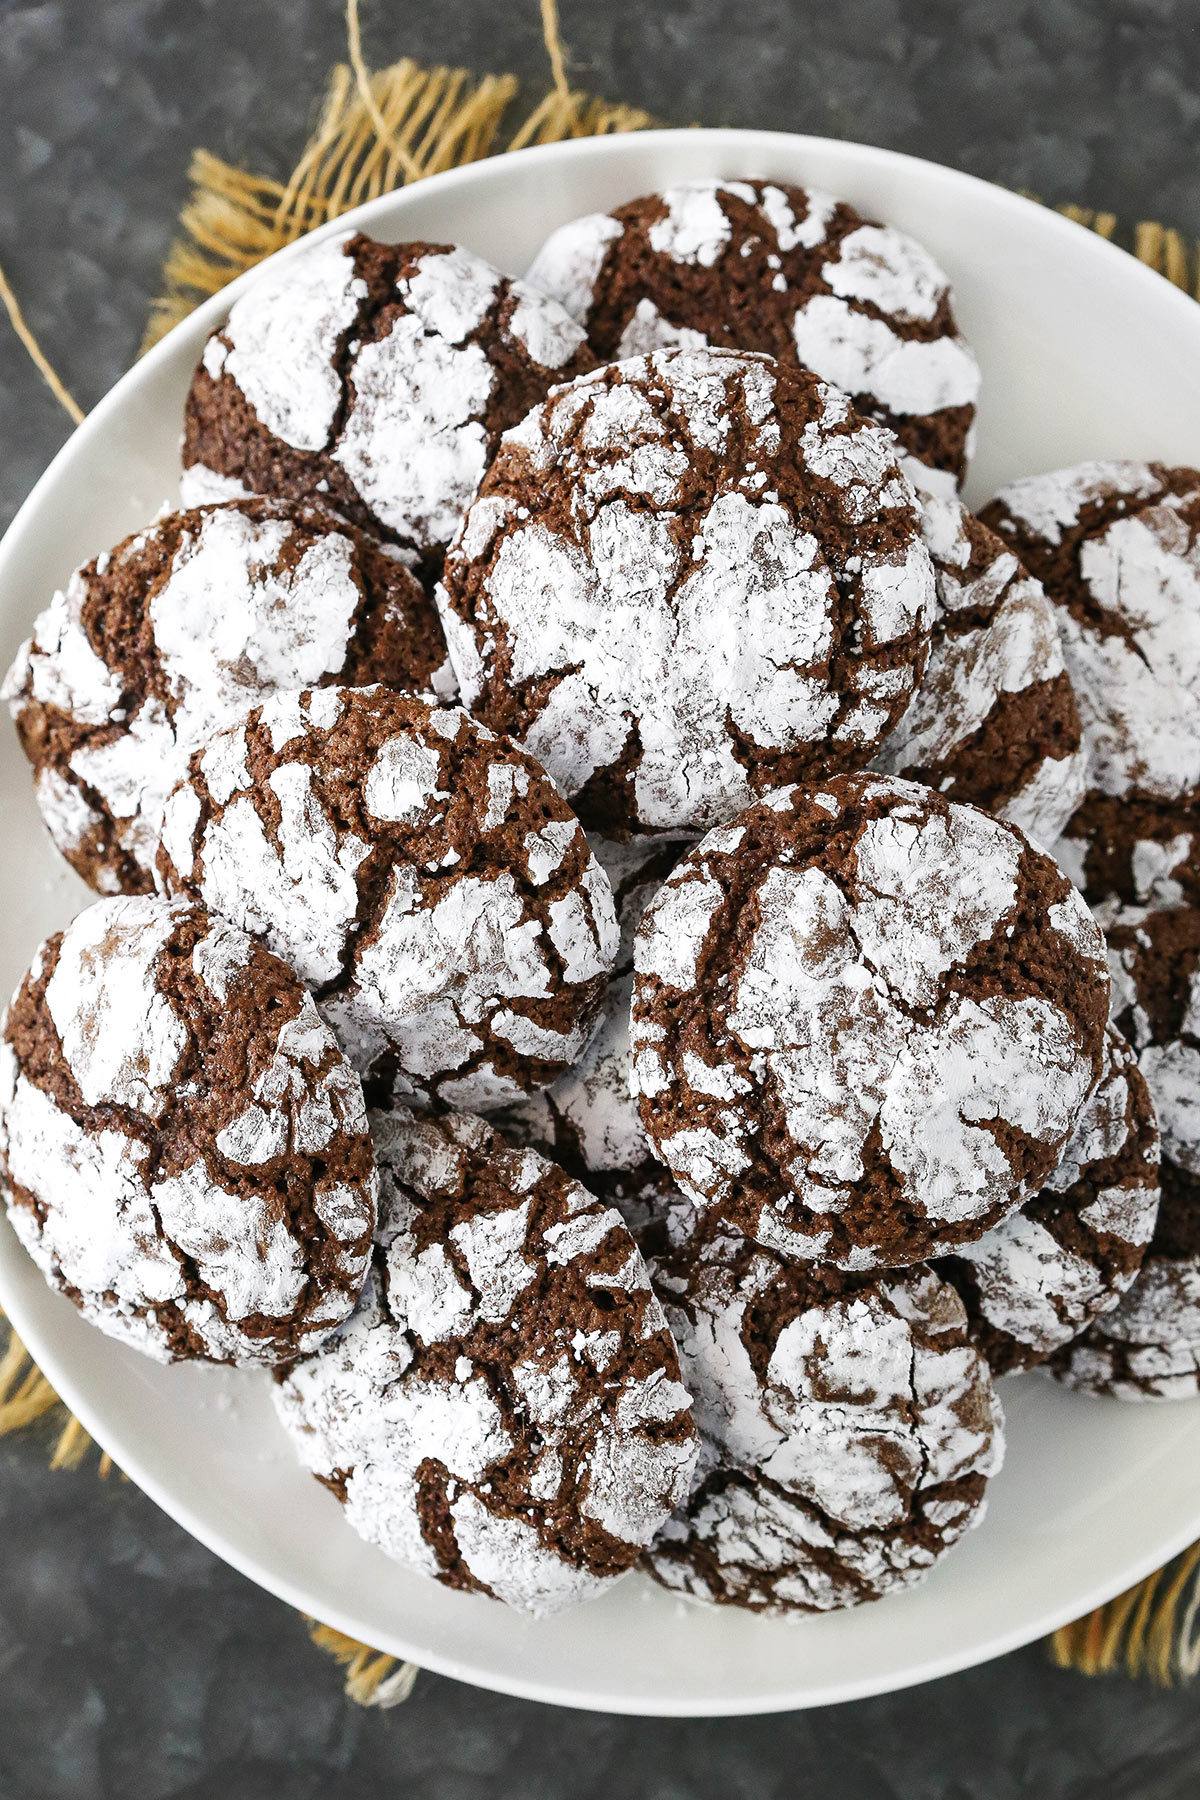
{"type": "Point", "coordinates": [132, 1663]}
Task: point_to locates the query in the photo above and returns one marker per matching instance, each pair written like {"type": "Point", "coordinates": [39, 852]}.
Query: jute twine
{"type": "Point", "coordinates": [379, 130]}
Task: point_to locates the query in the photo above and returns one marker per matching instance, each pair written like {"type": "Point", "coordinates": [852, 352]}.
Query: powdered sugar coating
{"type": "Point", "coordinates": [994, 720]}
{"type": "Point", "coordinates": [184, 1147]}
{"type": "Point", "coordinates": [1039, 1278]}
{"type": "Point", "coordinates": [423, 876]}
{"type": "Point", "coordinates": [377, 375]}
{"type": "Point", "coordinates": [1116, 547]}
{"type": "Point", "coordinates": [670, 591]}
{"type": "Point", "coordinates": [1148, 1347]}
{"type": "Point", "coordinates": [855, 1413]}
{"type": "Point", "coordinates": [755, 265]}
{"type": "Point", "coordinates": [845, 1042]}
{"type": "Point", "coordinates": [281, 338]}
{"type": "Point", "coordinates": [181, 629]}
{"type": "Point", "coordinates": [504, 1410]}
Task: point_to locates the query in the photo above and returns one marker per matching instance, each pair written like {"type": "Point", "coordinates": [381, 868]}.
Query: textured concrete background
{"type": "Point", "coordinates": [134, 1666]}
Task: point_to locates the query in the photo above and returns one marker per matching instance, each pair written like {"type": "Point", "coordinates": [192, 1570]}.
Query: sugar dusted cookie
{"type": "Point", "coordinates": [848, 1429]}
{"type": "Point", "coordinates": [421, 875]}
{"type": "Point", "coordinates": [1039, 1278]}
{"type": "Point", "coordinates": [504, 1411]}
{"type": "Point", "coordinates": [865, 1021]}
{"type": "Point", "coordinates": [183, 1147]}
{"type": "Point", "coordinates": [185, 625]}
{"type": "Point", "coordinates": [994, 721]}
{"type": "Point", "coordinates": [1148, 1347]}
{"type": "Point", "coordinates": [759, 265]}
{"type": "Point", "coordinates": [688, 578]}
{"type": "Point", "coordinates": [1116, 546]}
{"type": "Point", "coordinates": [377, 377]}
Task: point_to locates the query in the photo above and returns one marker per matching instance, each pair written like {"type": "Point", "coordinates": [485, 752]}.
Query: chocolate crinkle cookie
{"type": "Point", "coordinates": [183, 627]}
{"type": "Point", "coordinates": [1148, 1347]}
{"type": "Point", "coordinates": [994, 721]}
{"type": "Point", "coordinates": [1039, 1278]}
{"type": "Point", "coordinates": [1117, 548]}
{"type": "Point", "coordinates": [183, 1147]}
{"type": "Point", "coordinates": [758, 265]}
{"type": "Point", "coordinates": [865, 1021]}
{"type": "Point", "coordinates": [424, 877]}
{"type": "Point", "coordinates": [848, 1429]}
{"type": "Point", "coordinates": [687, 578]}
{"type": "Point", "coordinates": [504, 1411]}
{"type": "Point", "coordinates": [376, 377]}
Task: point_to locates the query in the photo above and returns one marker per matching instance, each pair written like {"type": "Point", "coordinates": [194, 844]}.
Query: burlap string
{"type": "Point", "coordinates": [379, 130]}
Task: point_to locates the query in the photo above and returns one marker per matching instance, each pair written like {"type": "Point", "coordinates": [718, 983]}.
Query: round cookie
{"type": "Point", "coordinates": [183, 627]}
{"type": "Point", "coordinates": [504, 1411]}
{"type": "Point", "coordinates": [183, 1147]}
{"type": "Point", "coordinates": [421, 875]}
{"type": "Point", "coordinates": [758, 265]}
{"type": "Point", "coordinates": [1039, 1278]}
{"type": "Point", "coordinates": [994, 720]}
{"type": "Point", "coordinates": [376, 376]}
{"type": "Point", "coordinates": [1148, 1347]}
{"type": "Point", "coordinates": [687, 578]}
{"type": "Point", "coordinates": [865, 1021]}
{"type": "Point", "coordinates": [848, 1428]}
{"type": "Point", "coordinates": [1115, 545]}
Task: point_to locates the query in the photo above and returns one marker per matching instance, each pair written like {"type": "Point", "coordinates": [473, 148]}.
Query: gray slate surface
{"type": "Point", "coordinates": [133, 1665]}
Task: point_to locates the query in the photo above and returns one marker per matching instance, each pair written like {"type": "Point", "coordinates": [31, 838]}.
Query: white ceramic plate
{"type": "Point", "coordinates": [1084, 353]}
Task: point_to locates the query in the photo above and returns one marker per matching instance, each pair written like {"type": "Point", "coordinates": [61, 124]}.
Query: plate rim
{"type": "Point", "coordinates": [741, 142]}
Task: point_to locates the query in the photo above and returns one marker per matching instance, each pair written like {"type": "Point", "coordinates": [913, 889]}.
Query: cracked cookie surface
{"type": "Point", "coordinates": [183, 1146]}
{"type": "Point", "coordinates": [994, 720]}
{"type": "Point", "coordinates": [376, 377]}
{"type": "Point", "coordinates": [1040, 1277]}
{"type": "Point", "coordinates": [865, 1021]}
{"type": "Point", "coordinates": [687, 578]}
{"type": "Point", "coordinates": [504, 1411]}
{"type": "Point", "coordinates": [848, 1428]}
{"type": "Point", "coordinates": [424, 877]}
{"type": "Point", "coordinates": [758, 265]}
{"type": "Point", "coordinates": [1116, 545]}
{"type": "Point", "coordinates": [156, 644]}
{"type": "Point", "coordinates": [1148, 1347]}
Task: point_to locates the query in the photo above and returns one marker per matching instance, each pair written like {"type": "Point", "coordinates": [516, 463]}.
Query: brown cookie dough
{"type": "Point", "coordinates": [1117, 548]}
{"type": "Point", "coordinates": [687, 578]}
{"type": "Point", "coordinates": [183, 1147]}
{"type": "Point", "coordinates": [504, 1411]}
{"type": "Point", "coordinates": [994, 720]}
{"type": "Point", "coordinates": [848, 1428]}
{"type": "Point", "coordinates": [181, 628]}
{"type": "Point", "coordinates": [1148, 1347]}
{"type": "Point", "coordinates": [377, 377]}
{"type": "Point", "coordinates": [421, 875]}
{"type": "Point", "coordinates": [1041, 1276]}
{"type": "Point", "coordinates": [759, 265]}
{"type": "Point", "coordinates": [865, 1021]}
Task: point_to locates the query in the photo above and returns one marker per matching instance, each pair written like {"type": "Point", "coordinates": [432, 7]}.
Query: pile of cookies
{"type": "Point", "coordinates": [643, 950]}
